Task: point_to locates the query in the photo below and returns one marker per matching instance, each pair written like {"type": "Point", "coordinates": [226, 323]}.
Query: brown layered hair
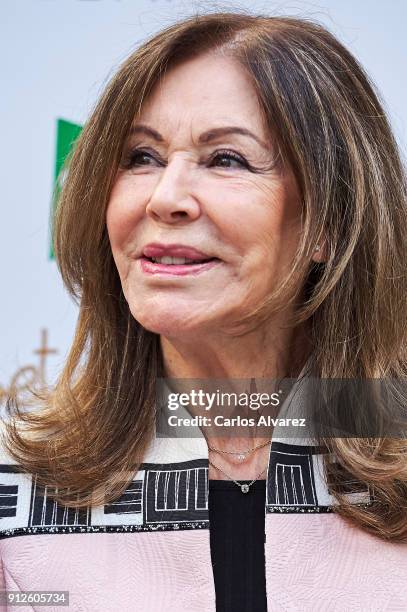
{"type": "Point", "coordinates": [94, 425]}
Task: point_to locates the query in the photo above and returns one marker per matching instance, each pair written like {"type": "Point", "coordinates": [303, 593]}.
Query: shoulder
{"type": "Point", "coordinates": [15, 488]}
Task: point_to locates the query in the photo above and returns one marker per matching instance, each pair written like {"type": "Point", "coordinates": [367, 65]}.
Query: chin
{"type": "Point", "coordinates": [167, 323]}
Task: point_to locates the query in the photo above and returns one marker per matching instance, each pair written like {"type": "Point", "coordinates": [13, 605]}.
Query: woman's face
{"type": "Point", "coordinates": [198, 172]}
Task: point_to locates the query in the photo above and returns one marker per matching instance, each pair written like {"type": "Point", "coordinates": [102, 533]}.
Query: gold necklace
{"type": "Point", "coordinates": [244, 487]}
{"type": "Point", "coordinates": [241, 455]}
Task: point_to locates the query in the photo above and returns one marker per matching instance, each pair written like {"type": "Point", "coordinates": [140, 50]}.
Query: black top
{"type": "Point", "coordinates": [237, 545]}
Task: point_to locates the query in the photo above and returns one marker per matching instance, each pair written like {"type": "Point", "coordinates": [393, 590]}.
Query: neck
{"type": "Point", "coordinates": [272, 353]}
{"type": "Point", "coordinates": [269, 353]}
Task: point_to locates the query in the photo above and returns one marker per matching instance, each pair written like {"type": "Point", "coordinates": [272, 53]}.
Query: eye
{"type": "Point", "coordinates": [143, 157]}
{"type": "Point", "coordinates": [226, 158]}
{"type": "Point", "coordinates": [138, 157]}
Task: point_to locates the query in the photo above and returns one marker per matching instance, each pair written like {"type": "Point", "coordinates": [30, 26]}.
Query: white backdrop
{"type": "Point", "coordinates": [56, 57]}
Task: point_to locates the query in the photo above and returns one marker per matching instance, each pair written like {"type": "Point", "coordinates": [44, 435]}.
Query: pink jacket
{"type": "Point", "coordinates": [149, 551]}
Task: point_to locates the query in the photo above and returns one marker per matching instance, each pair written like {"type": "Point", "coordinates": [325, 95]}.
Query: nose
{"type": "Point", "coordinates": [171, 200]}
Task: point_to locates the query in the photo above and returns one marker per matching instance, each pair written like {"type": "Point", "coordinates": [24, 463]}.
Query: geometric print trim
{"type": "Point", "coordinates": [176, 492]}
{"type": "Point", "coordinates": [296, 482]}
{"type": "Point", "coordinates": [18, 531]}
{"type": "Point", "coordinates": [291, 482]}
{"type": "Point", "coordinates": [167, 496]}
{"type": "Point", "coordinates": [161, 497]}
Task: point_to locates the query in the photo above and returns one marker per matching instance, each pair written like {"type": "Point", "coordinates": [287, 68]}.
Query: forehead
{"type": "Point", "coordinates": [206, 91]}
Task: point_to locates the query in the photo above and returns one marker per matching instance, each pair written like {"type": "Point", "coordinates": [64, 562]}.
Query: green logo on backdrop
{"type": "Point", "coordinates": [67, 133]}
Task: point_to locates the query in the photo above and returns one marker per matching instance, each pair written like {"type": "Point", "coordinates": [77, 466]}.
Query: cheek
{"type": "Point", "coordinates": [263, 224]}
{"type": "Point", "coordinates": [252, 221]}
{"type": "Point", "coordinates": [123, 214]}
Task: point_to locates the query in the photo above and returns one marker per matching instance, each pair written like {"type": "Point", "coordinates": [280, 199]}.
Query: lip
{"type": "Point", "coordinates": [151, 268]}
{"type": "Point", "coordinates": [155, 249]}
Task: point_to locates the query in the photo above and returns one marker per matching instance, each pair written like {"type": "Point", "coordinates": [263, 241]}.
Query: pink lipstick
{"type": "Point", "coordinates": [175, 259]}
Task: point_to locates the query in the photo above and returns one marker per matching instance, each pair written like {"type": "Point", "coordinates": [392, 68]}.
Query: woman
{"type": "Point", "coordinates": [255, 149]}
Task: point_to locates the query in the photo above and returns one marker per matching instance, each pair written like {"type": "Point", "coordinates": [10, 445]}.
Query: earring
{"type": "Point", "coordinates": [317, 248]}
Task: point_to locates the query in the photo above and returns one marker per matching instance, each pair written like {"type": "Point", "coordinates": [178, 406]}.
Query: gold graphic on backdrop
{"type": "Point", "coordinates": [29, 376]}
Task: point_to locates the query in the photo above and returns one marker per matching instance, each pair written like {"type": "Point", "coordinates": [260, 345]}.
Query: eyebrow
{"type": "Point", "coordinates": [205, 137]}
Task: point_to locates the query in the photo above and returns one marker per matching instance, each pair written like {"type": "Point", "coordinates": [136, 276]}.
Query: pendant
{"type": "Point", "coordinates": [241, 457]}
{"type": "Point", "coordinates": [244, 488]}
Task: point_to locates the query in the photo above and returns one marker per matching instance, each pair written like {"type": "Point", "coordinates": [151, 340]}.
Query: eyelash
{"type": "Point", "coordinates": [131, 163]}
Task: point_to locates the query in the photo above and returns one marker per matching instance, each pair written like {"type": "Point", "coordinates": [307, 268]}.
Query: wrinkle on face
{"type": "Point", "coordinates": [250, 220]}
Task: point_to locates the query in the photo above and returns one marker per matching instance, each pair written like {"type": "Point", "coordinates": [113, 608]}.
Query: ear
{"type": "Point", "coordinates": [319, 255]}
